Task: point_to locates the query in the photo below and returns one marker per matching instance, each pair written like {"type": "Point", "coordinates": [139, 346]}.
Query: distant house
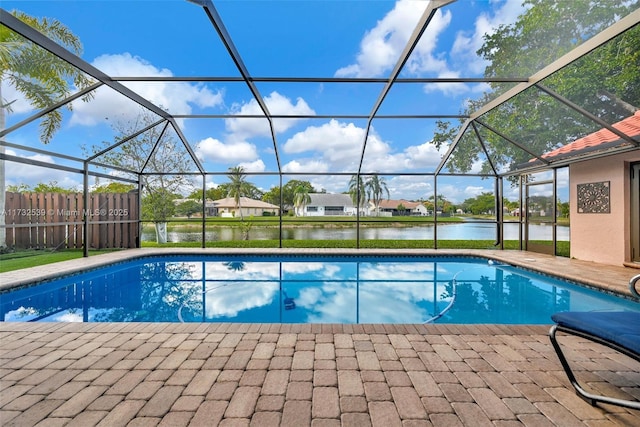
{"type": "Point", "coordinates": [229, 207]}
{"type": "Point", "coordinates": [390, 208]}
{"type": "Point", "coordinates": [327, 204]}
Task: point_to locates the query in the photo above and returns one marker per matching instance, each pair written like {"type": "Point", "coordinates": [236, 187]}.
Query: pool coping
{"type": "Point", "coordinates": [611, 279]}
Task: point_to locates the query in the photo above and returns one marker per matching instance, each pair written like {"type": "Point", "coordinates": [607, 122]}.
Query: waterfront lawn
{"type": "Point", "coordinates": [562, 249]}
{"type": "Point", "coordinates": [31, 258]}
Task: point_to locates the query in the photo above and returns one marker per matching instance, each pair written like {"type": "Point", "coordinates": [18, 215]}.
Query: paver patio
{"type": "Point", "coordinates": [294, 375]}
{"type": "Point", "coordinates": [172, 374]}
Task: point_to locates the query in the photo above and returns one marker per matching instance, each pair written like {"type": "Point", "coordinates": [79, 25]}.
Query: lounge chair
{"type": "Point", "coordinates": [619, 330]}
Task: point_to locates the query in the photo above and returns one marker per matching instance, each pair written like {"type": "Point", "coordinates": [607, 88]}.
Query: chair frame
{"type": "Point", "coordinates": [592, 398]}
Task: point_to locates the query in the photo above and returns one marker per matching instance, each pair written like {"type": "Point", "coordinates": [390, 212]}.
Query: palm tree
{"type": "Point", "coordinates": [376, 187]}
{"type": "Point", "coordinates": [238, 186]}
{"type": "Point", "coordinates": [300, 198]}
{"type": "Point", "coordinates": [357, 191]}
{"type": "Point", "coordinates": [235, 265]}
{"type": "Point", "coordinates": [41, 77]}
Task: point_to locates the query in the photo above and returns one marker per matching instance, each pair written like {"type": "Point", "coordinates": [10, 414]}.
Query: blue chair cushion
{"type": "Point", "coordinates": [619, 327]}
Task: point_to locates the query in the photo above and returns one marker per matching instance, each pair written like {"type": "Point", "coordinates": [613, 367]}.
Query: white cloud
{"type": "Point", "coordinates": [305, 165]}
{"type": "Point", "coordinates": [474, 191]}
{"type": "Point", "coordinates": [212, 149]}
{"type": "Point", "coordinates": [410, 187]}
{"type": "Point", "coordinates": [424, 156]}
{"type": "Point", "coordinates": [179, 97]}
{"type": "Point", "coordinates": [476, 167]}
{"type": "Point", "coordinates": [453, 90]}
{"type": "Point", "coordinates": [467, 43]}
{"type": "Point", "coordinates": [338, 146]}
{"type": "Point", "coordinates": [329, 183]}
{"type": "Point", "coordinates": [19, 173]}
{"type": "Point", "coordinates": [463, 56]}
{"type": "Point", "coordinates": [277, 104]}
{"type": "Point", "coordinates": [381, 46]}
{"type": "Point", "coordinates": [230, 300]}
{"type": "Point", "coordinates": [19, 104]}
{"type": "Point", "coordinates": [255, 166]}
{"type": "Point", "coordinates": [235, 148]}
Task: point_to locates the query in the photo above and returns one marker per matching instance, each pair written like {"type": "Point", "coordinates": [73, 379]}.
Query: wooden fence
{"type": "Point", "coordinates": [55, 220]}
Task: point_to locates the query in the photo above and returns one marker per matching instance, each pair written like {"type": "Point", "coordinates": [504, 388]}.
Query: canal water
{"type": "Point", "coordinates": [455, 231]}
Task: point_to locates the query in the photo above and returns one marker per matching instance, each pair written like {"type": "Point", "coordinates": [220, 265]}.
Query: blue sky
{"type": "Point", "coordinates": [276, 39]}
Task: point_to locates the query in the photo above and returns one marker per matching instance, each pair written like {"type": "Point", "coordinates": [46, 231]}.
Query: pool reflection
{"type": "Point", "coordinates": [302, 291]}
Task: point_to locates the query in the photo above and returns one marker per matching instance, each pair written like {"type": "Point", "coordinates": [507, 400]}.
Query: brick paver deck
{"type": "Point", "coordinates": [172, 374]}
{"type": "Point", "coordinates": [295, 375]}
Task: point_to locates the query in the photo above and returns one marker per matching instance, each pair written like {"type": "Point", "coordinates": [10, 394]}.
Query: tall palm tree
{"type": "Point", "coordinates": [41, 77]}
{"type": "Point", "coordinates": [357, 191]}
{"type": "Point", "coordinates": [301, 198]}
{"type": "Point", "coordinates": [238, 187]}
{"type": "Point", "coordinates": [376, 187]}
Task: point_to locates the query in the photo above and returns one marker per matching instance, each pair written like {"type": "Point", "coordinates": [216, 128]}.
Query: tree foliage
{"type": "Point", "coordinates": [357, 191]}
{"type": "Point", "coordinates": [605, 82]}
{"type": "Point", "coordinates": [272, 196]}
{"type": "Point", "coordinates": [301, 198]}
{"type": "Point", "coordinates": [293, 187]}
{"type": "Point", "coordinates": [249, 190]}
{"type": "Point", "coordinates": [152, 151]}
{"type": "Point", "coordinates": [376, 187]}
{"type": "Point", "coordinates": [114, 187]}
{"type": "Point", "coordinates": [188, 208]}
{"type": "Point", "coordinates": [442, 204]}
{"type": "Point", "coordinates": [159, 158]}
{"type": "Point", "coordinates": [158, 206]}
{"type": "Point", "coordinates": [482, 204]}
{"type": "Point", "coordinates": [289, 191]}
{"type": "Point", "coordinates": [18, 188]}
{"type": "Point", "coordinates": [238, 186]}
{"type": "Point", "coordinates": [41, 187]}
{"type": "Point", "coordinates": [42, 78]}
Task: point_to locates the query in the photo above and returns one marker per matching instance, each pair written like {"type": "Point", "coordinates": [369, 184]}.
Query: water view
{"type": "Point", "coordinates": [305, 289]}
{"type": "Point", "coordinates": [450, 231]}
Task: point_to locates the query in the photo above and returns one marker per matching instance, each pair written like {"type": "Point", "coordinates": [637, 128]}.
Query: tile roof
{"type": "Point", "coordinates": [330, 199]}
{"type": "Point", "coordinates": [601, 139]}
{"type": "Point", "coordinates": [393, 204]}
{"type": "Point", "coordinates": [245, 202]}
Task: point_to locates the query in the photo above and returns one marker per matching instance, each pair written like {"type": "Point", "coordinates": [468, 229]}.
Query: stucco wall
{"type": "Point", "coordinates": [602, 237]}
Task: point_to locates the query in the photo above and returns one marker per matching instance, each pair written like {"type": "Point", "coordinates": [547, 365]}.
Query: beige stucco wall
{"type": "Point", "coordinates": [603, 237]}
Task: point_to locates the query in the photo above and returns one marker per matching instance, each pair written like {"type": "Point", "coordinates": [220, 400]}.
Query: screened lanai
{"type": "Point", "coordinates": [428, 102]}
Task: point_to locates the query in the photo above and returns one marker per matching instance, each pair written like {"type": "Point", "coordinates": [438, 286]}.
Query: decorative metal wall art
{"type": "Point", "coordinates": [594, 197]}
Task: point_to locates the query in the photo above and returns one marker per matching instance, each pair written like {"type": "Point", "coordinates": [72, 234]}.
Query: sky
{"type": "Point", "coordinates": [274, 39]}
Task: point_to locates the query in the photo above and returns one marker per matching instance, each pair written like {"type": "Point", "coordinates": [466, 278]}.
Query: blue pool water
{"type": "Point", "coordinates": [305, 289]}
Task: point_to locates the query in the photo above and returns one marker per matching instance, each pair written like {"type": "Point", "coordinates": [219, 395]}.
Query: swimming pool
{"type": "Point", "coordinates": [305, 289]}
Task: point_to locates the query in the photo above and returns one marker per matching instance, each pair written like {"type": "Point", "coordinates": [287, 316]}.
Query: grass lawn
{"type": "Point", "coordinates": [563, 247]}
{"type": "Point", "coordinates": [24, 259]}
{"type": "Point", "coordinates": [31, 258]}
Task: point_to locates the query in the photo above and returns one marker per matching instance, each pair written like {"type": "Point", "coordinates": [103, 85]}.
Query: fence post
{"type": "Point", "coordinates": [85, 217]}
{"type": "Point", "coordinates": [10, 218]}
{"type": "Point", "coordinates": [38, 236]}
{"type": "Point", "coordinates": [61, 217]}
